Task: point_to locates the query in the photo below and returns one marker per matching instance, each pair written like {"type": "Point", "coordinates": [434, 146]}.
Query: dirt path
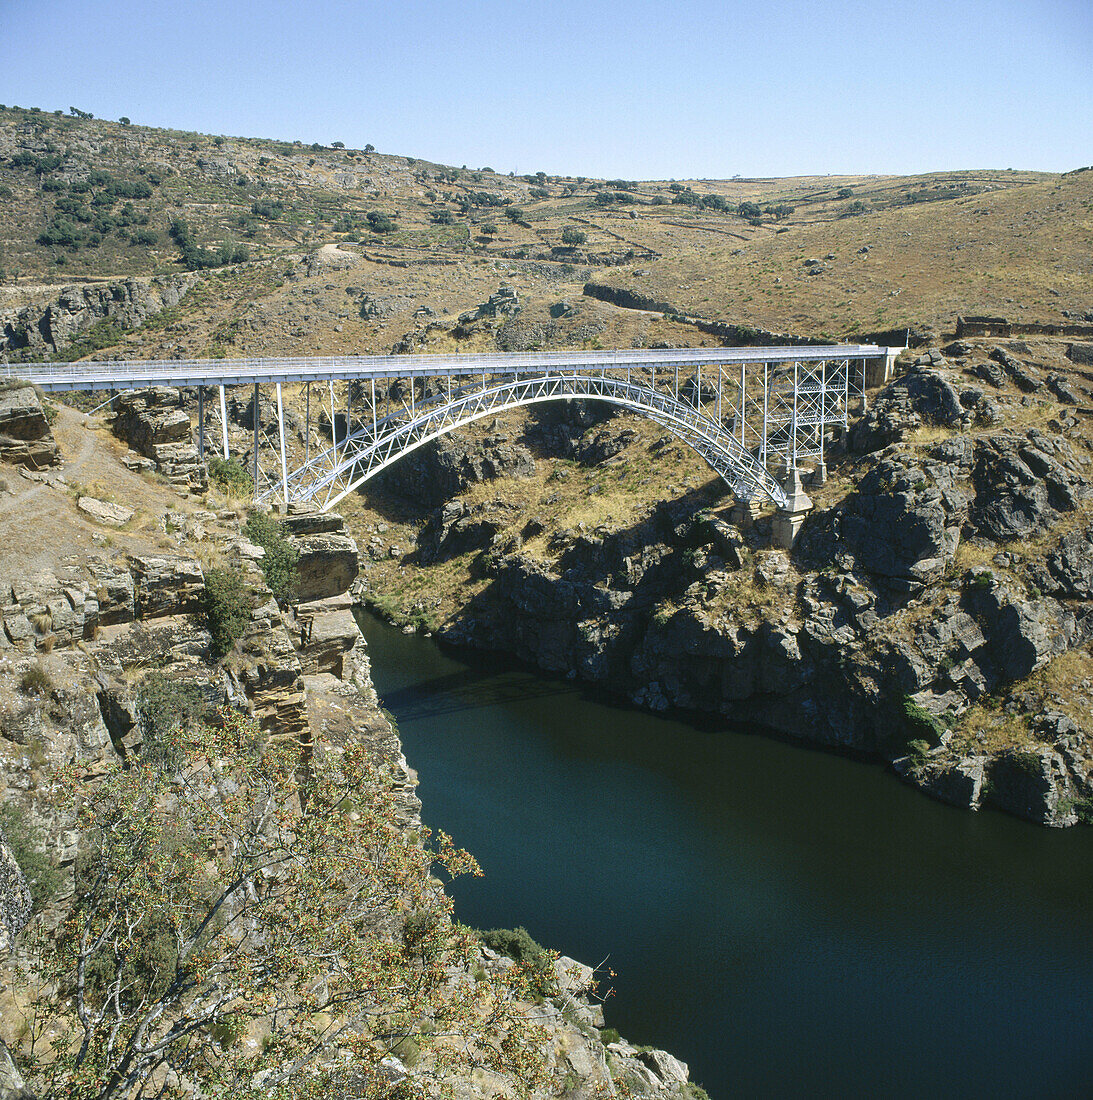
{"type": "Point", "coordinates": [40, 525]}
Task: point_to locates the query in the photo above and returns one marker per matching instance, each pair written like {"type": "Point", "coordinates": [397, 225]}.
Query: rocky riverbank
{"type": "Point", "coordinates": [934, 612]}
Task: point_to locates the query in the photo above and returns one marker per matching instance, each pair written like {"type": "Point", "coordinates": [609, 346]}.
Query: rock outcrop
{"type": "Point", "coordinates": [15, 903]}
{"type": "Point", "coordinates": [153, 423]}
{"type": "Point", "coordinates": [53, 325]}
{"type": "Point", "coordinates": [443, 469]}
{"type": "Point", "coordinates": [25, 435]}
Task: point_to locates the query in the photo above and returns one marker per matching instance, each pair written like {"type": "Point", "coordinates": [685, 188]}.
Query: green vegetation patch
{"type": "Point", "coordinates": [227, 608]}
{"type": "Point", "coordinates": [279, 563]}
{"type": "Point", "coordinates": [24, 838]}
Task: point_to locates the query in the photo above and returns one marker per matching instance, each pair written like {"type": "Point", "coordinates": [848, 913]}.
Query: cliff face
{"type": "Point", "coordinates": [52, 324]}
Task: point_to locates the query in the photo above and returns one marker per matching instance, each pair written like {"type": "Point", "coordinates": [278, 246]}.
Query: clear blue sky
{"type": "Point", "coordinates": [630, 88]}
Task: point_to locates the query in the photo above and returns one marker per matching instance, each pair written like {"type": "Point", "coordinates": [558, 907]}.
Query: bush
{"type": "Point", "coordinates": [43, 877]}
{"type": "Point", "coordinates": [35, 681]}
{"type": "Point", "coordinates": [165, 706]}
{"type": "Point", "coordinates": [281, 557]}
{"type": "Point", "coordinates": [570, 235]}
{"type": "Point", "coordinates": [518, 945]}
{"type": "Point", "coordinates": [229, 476]}
{"type": "Point", "coordinates": [920, 723]}
{"type": "Point", "coordinates": [227, 608]}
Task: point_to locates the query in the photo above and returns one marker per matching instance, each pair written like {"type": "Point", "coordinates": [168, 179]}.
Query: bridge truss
{"type": "Point", "coordinates": [751, 413]}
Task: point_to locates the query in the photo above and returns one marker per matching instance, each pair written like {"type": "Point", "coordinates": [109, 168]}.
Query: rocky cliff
{"type": "Point", "coordinates": [49, 323]}
{"type": "Point", "coordinates": [77, 643]}
{"type": "Point", "coordinates": [934, 612]}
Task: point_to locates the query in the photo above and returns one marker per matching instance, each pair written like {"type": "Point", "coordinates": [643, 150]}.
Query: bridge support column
{"type": "Point", "coordinates": [788, 521]}
{"type": "Point", "coordinates": [744, 514]}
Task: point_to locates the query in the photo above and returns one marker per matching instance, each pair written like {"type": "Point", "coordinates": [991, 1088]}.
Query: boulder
{"type": "Point", "coordinates": [1032, 782]}
{"type": "Point", "coordinates": [1023, 635]}
{"type": "Point", "coordinates": [25, 437]}
{"type": "Point", "coordinates": [327, 565]}
{"type": "Point", "coordinates": [12, 1085]}
{"type": "Point", "coordinates": [113, 591]}
{"type": "Point", "coordinates": [1080, 353]}
{"type": "Point", "coordinates": [326, 638]}
{"type": "Point", "coordinates": [103, 512]}
{"type": "Point", "coordinates": [148, 418]}
{"type": "Point", "coordinates": [898, 525]}
{"type": "Point", "coordinates": [1022, 484]}
{"type": "Point", "coordinates": [455, 529]}
{"type": "Point", "coordinates": [304, 520]}
{"type": "Point", "coordinates": [166, 585]}
{"type": "Point", "coordinates": [920, 397]}
{"type": "Point", "coordinates": [1064, 389]}
{"type": "Point", "coordinates": [330, 258]}
{"type": "Point", "coordinates": [1067, 571]}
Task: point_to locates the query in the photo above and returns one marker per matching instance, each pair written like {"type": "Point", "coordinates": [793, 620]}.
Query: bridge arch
{"type": "Point", "coordinates": [349, 463]}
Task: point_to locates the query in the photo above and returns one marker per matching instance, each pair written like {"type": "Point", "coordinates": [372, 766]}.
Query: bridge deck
{"type": "Point", "coordinates": [136, 374]}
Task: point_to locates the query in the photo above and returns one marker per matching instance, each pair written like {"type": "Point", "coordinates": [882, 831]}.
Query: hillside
{"type": "Point", "coordinates": [88, 200]}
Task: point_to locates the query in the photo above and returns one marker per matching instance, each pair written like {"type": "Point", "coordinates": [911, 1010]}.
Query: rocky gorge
{"type": "Point", "coordinates": [933, 612]}
{"type": "Point", "coordinates": [77, 643]}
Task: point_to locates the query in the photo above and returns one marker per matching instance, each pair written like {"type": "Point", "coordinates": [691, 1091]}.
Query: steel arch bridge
{"type": "Point", "coordinates": [748, 412]}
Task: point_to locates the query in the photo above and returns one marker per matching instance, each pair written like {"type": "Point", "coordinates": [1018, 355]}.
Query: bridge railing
{"type": "Point", "coordinates": [128, 374]}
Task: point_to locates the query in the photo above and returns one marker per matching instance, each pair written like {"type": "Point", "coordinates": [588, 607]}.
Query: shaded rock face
{"type": "Point", "coordinates": [906, 517]}
{"type": "Point", "coordinates": [456, 529]}
{"type": "Point", "coordinates": [1068, 570]}
{"type": "Point", "coordinates": [56, 324]}
{"type": "Point", "coordinates": [901, 525]}
{"type": "Point", "coordinates": [1033, 783]}
{"type": "Point", "coordinates": [146, 419]}
{"type": "Point", "coordinates": [1023, 484]}
{"type": "Point", "coordinates": [921, 397]}
{"type": "Point", "coordinates": [327, 565]}
{"type": "Point", "coordinates": [166, 585]}
{"type": "Point", "coordinates": [446, 467]}
{"type": "Point", "coordinates": [25, 437]}
{"type": "Point", "coordinates": [15, 903]}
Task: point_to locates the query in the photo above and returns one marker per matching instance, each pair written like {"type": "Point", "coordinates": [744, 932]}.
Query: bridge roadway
{"type": "Point", "coordinates": [746, 411]}
{"type": "Point", "coordinates": [131, 374]}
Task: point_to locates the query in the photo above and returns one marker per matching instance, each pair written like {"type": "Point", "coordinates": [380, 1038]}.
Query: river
{"type": "Point", "coordinates": [786, 921]}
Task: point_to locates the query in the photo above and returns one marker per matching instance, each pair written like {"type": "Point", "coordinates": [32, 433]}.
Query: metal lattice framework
{"type": "Point", "coordinates": [751, 413]}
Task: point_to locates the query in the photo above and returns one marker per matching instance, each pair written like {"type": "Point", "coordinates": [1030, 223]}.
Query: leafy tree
{"type": "Point", "coordinates": [369, 148]}
{"type": "Point", "coordinates": [124, 121]}
{"type": "Point", "coordinates": [749, 210]}
{"type": "Point", "coordinates": [337, 145]}
{"type": "Point", "coordinates": [844, 193]}
{"type": "Point", "coordinates": [573, 236]}
{"type": "Point", "coordinates": [259, 889]}
{"type": "Point", "coordinates": [379, 222]}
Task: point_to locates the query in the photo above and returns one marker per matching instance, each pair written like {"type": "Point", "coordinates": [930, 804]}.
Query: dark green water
{"type": "Point", "coordinates": [788, 922]}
